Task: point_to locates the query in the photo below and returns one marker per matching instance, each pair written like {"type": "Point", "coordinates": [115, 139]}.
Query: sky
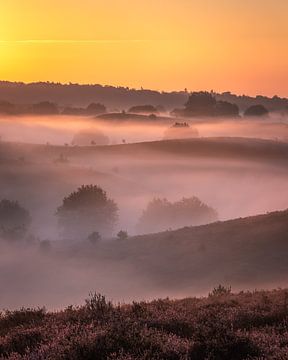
{"type": "Point", "coordinates": [224, 45]}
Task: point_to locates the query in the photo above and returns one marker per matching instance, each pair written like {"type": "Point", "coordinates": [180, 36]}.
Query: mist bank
{"type": "Point", "coordinates": [245, 253]}
{"type": "Point", "coordinates": [236, 177]}
{"type": "Point", "coordinates": [63, 130]}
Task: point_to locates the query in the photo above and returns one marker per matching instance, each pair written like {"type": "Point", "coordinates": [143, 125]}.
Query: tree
{"type": "Point", "coordinates": [95, 109]}
{"type": "Point", "coordinates": [122, 235]}
{"type": "Point", "coordinates": [224, 108]}
{"type": "Point", "coordinates": [14, 220]}
{"type": "Point", "coordinates": [161, 214]}
{"type": "Point", "coordinates": [94, 237]}
{"type": "Point", "coordinates": [256, 110]}
{"type": "Point", "coordinates": [204, 103]}
{"type": "Point", "coordinates": [86, 209]}
{"type": "Point", "coordinates": [6, 108]}
{"type": "Point", "coordinates": [143, 109]}
{"type": "Point", "coordinates": [45, 108]}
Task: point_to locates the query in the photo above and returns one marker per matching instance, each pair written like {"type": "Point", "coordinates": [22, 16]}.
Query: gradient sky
{"type": "Point", "coordinates": [236, 45]}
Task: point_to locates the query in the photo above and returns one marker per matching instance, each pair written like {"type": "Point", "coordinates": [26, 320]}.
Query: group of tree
{"type": "Point", "coordinates": [88, 213]}
{"type": "Point", "coordinates": [90, 110]}
{"type": "Point", "coordinates": [120, 97]}
{"type": "Point", "coordinates": [50, 108]}
{"type": "Point", "coordinates": [205, 104]}
{"type": "Point", "coordinates": [143, 109]}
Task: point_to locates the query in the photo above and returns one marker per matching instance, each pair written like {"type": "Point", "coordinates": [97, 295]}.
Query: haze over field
{"type": "Point", "coordinates": [143, 155]}
{"type": "Point", "coordinates": [235, 166]}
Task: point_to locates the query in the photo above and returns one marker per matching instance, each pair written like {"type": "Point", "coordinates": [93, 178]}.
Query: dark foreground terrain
{"type": "Point", "coordinates": [250, 325]}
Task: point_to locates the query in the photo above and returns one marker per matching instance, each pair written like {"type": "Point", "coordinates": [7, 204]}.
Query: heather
{"type": "Point", "coordinates": [223, 325]}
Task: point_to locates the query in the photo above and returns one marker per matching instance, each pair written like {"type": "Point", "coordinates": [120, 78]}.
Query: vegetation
{"type": "Point", "coordinates": [85, 210]}
{"type": "Point", "coordinates": [122, 235]}
{"type": "Point", "coordinates": [256, 110]}
{"type": "Point", "coordinates": [143, 109]}
{"type": "Point", "coordinates": [14, 220]}
{"type": "Point", "coordinates": [248, 325]}
{"type": "Point", "coordinates": [181, 130]}
{"type": "Point", "coordinates": [45, 108]}
{"type": "Point", "coordinates": [205, 104]}
{"type": "Point", "coordinates": [115, 97]}
{"type": "Point", "coordinates": [161, 214]}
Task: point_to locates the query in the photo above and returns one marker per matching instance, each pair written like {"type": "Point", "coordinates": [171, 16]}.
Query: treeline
{"type": "Point", "coordinates": [49, 108]}
{"type": "Point", "coordinates": [118, 98]}
{"type": "Point", "coordinates": [199, 104]}
{"type": "Point", "coordinates": [88, 213]}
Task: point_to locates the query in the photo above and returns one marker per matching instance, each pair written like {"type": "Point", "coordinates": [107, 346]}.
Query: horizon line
{"type": "Point", "coordinates": [139, 88]}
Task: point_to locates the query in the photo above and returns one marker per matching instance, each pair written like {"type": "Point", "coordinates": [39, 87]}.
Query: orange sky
{"type": "Point", "coordinates": [241, 46]}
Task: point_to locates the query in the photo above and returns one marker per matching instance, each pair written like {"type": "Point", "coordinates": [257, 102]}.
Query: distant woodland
{"type": "Point", "coordinates": [118, 98]}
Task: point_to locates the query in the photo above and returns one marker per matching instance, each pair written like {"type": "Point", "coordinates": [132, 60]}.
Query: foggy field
{"type": "Point", "coordinates": [237, 175]}
{"type": "Point", "coordinates": [246, 253]}
{"type": "Point", "coordinates": [143, 180]}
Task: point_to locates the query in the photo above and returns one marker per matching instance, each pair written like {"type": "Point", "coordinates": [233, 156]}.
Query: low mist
{"type": "Point", "coordinates": [237, 167]}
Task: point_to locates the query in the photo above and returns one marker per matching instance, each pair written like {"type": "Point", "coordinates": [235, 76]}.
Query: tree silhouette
{"type": "Point", "coordinates": [256, 110]}
{"type": "Point", "coordinates": [204, 103]}
{"type": "Point", "coordinates": [45, 108]}
{"type": "Point", "coordinates": [144, 109]}
{"type": "Point", "coordinates": [85, 211]}
{"type": "Point", "coordinates": [95, 109]}
{"type": "Point", "coordinates": [161, 214]}
{"type": "Point", "coordinates": [14, 220]}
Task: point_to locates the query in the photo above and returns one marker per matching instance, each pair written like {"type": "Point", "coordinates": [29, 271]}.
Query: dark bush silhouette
{"type": "Point", "coordinates": [45, 108]}
{"type": "Point", "coordinates": [94, 237]}
{"type": "Point", "coordinates": [14, 220]}
{"type": "Point", "coordinates": [85, 210]}
{"type": "Point", "coordinates": [122, 235]}
{"type": "Point", "coordinates": [161, 214]}
{"type": "Point", "coordinates": [143, 109]}
{"type": "Point", "coordinates": [95, 109]}
{"type": "Point", "coordinates": [181, 130]}
{"type": "Point", "coordinates": [256, 110]}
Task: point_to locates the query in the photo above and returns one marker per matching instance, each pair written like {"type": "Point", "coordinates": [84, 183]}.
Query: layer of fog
{"type": "Point", "coordinates": [33, 176]}
{"type": "Point", "coordinates": [60, 130]}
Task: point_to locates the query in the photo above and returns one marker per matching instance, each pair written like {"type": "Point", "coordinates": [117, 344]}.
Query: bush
{"type": "Point", "coordinates": [122, 235]}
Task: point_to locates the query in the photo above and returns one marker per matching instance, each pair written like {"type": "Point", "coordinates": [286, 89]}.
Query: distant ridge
{"type": "Point", "coordinates": [117, 97]}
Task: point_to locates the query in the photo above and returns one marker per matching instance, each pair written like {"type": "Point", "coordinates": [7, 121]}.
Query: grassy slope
{"type": "Point", "coordinates": [243, 252]}
{"type": "Point", "coordinates": [233, 148]}
{"type": "Point", "coordinates": [220, 327]}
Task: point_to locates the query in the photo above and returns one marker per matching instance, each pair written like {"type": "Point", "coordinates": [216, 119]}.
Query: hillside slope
{"type": "Point", "coordinates": [250, 252]}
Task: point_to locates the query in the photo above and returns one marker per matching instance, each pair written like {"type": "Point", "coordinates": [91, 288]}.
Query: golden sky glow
{"type": "Point", "coordinates": [234, 45]}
